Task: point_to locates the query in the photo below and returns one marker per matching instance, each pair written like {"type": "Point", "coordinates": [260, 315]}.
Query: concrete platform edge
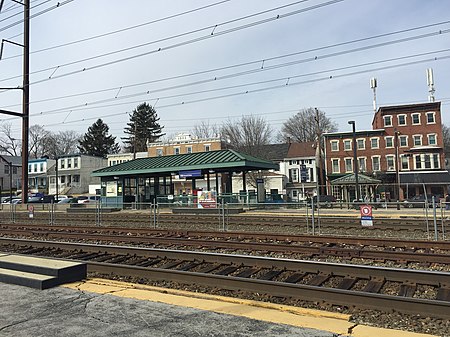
{"type": "Point", "coordinates": [281, 314]}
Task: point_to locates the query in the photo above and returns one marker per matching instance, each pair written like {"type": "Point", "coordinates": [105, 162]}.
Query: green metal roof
{"type": "Point", "coordinates": [350, 179]}
{"type": "Point", "coordinates": [222, 160]}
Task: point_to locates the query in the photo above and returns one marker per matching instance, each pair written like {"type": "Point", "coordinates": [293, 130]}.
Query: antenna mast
{"type": "Point", "coordinates": [430, 83]}
{"type": "Point", "coordinates": [373, 86]}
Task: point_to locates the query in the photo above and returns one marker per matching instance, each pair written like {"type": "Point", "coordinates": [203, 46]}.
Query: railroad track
{"type": "Point", "coordinates": [400, 251]}
{"type": "Point", "coordinates": [425, 293]}
{"type": "Point", "coordinates": [232, 221]}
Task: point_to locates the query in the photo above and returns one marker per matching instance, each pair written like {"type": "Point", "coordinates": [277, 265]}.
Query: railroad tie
{"type": "Point", "coordinates": [347, 283]}
{"type": "Point", "coordinates": [374, 286]}
{"type": "Point", "coordinates": [270, 275]}
{"type": "Point", "coordinates": [294, 278]}
{"type": "Point", "coordinates": [228, 270]}
{"type": "Point", "coordinates": [443, 294]}
{"type": "Point", "coordinates": [319, 279]}
{"type": "Point", "coordinates": [247, 272]}
{"type": "Point", "coordinates": [407, 290]}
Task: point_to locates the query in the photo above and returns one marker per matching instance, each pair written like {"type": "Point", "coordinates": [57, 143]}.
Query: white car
{"type": "Point", "coordinates": [85, 199]}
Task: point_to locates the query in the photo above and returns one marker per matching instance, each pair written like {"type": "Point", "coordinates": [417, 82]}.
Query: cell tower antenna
{"type": "Point", "coordinates": [430, 83]}
{"type": "Point", "coordinates": [373, 86]}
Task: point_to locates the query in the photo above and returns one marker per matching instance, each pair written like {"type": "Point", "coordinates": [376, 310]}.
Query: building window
{"type": "Point", "coordinates": [334, 145]}
{"type": "Point", "coordinates": [6, 169]}
{"type": "Point", "coordinates": [335, 166]}
{"type": "Point", "coordinates": [293, 175]}
{"type": "Point", "coordinates": [76, 178]}
{"type": "Point", "coordinates": [376, 163]}
{"type": "Point", "coordinates": [62, 163]}
{"type": "Point", "coordinates": [347, 144]}
{"type": "Point", "coordinates": [374, 143]}
{"type": "Point", "coordinates": [389, 141]}
{"type": "Point", "coordinates": [176, 150]}
{"type": "Point", "coordinates": [189, 149]}
{"type": "Point", "coordinates": [159, 152]}
{"type": "Point", "coordinates": [361, 143]}
{"type": "Point", "coordinates": [69, 163]}
{"type": "Point", "coordinates": [29, 168]}
{"type": "Point", "coordinates": [63, 179]}
{"type": "Point", "coordinates": [294, 193]}
{"type": "Point", "coordinates": [390, 163]}
{"type": "Point", "coordinates": [418, 161]}
{"type": "Point", "coordinates": [387, 120]}
{"type": "Point", "coordinates": [41, 168]}
{"type": "Point", "coordinates": [401, 119]}
{"type": "Point", "coordinates": [207, 148]}
{"type": "Point", "coordinates": [405, 162]}
{"type": "Point", "coordinates": [436, 161]}
{"type": "Point", "coordinates": [415, 119]}
{"type": "Point", "coordinates": [427, 159]}
{"type": "Point", "coordinates": [417, 140]}
{"type": "Point", "coordinates": [403, 140]}
{"type": "Point", "coordinates": [35, 167]}
{"type": "Point", "coordinates": [348, 165]}
{"type": "Point", "coordinates": [75, 162]}
{"type": "Point", "coordinates": [430, 118]}
{"type": "Point", "coordinates": [362, 164]}
{"type": "Point", "coordinates": [432, 139]}
{"type": "Point", "coordinates": [14, 169]}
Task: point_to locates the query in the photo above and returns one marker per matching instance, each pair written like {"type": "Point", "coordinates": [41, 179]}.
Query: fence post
{"type": "Point", "coordinates": [434, 219]}
{"type": "Point", "coordinates": [312, 217]}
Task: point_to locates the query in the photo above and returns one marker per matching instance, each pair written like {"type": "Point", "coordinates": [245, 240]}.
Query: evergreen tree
{"type": "Point", "coordinates": [96, 141]}
{"type": "Point", "coordinates": [142, 128]}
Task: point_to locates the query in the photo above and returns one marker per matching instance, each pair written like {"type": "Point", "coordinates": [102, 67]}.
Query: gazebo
{"type": "Point", "coordinates": [345, 187]}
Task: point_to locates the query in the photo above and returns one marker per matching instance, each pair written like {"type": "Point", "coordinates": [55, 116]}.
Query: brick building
{"type": "Point", "coordinates": [404, 150]}
{"type": "Point", "coordinates": [183, 143]}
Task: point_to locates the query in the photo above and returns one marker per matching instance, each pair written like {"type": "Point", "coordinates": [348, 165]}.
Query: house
{"type": "Point", "coordinates": [402, 155]}
{"type": "Point", "coordinates": [297, 174]}
{"type": "Point", "coordinates": [10, 172]}
{"type": "Point", "coordinates": [184, 143]}
{"type": "Point", "coordinates": [119, 158]}
{"type": "Point", "coordinates": [71, 175]}
{"type": "Point", "coordinates": [37, 174]}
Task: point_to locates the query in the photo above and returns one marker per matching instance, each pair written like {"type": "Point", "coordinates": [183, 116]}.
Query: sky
{"type": "Point", "coordinates": [217, 60]}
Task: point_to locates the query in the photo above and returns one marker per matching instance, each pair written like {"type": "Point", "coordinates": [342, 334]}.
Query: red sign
{"type": "Point", "coordinates": [366, 210]}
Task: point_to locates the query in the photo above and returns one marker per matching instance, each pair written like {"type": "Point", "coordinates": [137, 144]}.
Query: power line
{"type": "Point", "coordinates": [19, 13]}
{"type": "Point", "coordinates": [176, 45]}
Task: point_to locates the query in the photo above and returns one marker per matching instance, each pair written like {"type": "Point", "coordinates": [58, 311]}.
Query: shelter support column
{"type": "Point", "coordinates": [217, 183]}
{"type": "Point", "coordinates": [208, 183]}
{"type": "Point", "coordinates": [244, 182]}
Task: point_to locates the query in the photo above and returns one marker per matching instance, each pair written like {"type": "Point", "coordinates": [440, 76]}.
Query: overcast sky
{"type": "Point", "coordinates": [202, 60]}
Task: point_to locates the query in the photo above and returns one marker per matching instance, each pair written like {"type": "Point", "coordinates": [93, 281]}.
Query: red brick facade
{"type": "Point", "coordinates": [415, 131]}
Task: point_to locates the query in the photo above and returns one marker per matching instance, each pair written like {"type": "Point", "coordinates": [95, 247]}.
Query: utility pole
{"type": "Point", "coordinates": [319, 146]}
{"type": "Point", "coordinates": [25, 93]}
{"type": "Point", "coordinates": [25, 99]}
{"type": "Point", "coordinates": [355, 160]}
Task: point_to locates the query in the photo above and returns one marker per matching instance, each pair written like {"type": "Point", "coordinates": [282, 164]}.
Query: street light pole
{"type": "Point", "coordinates": [355, 159]}
{"type": "Point", "coordinates": [397, 174]}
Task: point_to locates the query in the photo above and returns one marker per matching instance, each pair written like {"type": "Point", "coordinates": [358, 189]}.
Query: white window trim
{"type": "Point", "coordinates": [334, 142]}
{"type": "Point", "coordinates": [401, 164]}
{"type": "Point", "coordinates": [412, 118]}
{"type": "Point", "coordinates": [365, 164]}
{"type": "Point", "coordinates": [379, 163]}
{"type": "Point", "coordinates": [398, 120]}
{"type": "Point", "coordinates": [434, 117]}
{"type": "Point", "coordinates": [414, 140]}
{"type": "Point", "coordinates": [351, 144]}
{"type": "Point", "coordinates": [345, 165]}
{"type": "Point", "coordinates": [385, 142]}
{"type": "Point", "coordinates": [364, 143]}
{"type": "Point", "coordinates": [403, 136]}
{"type": "Point", "coordinates": [339, 165]}
{"type": "Point", "coordinates": [384, 122]}
{"type": "Point", "coordinates": [387, 165]}
{"type": "Point", "coordinates": [378, 142]}
{"type": "Point", "coordinates": [415, 162]}
{"type": "Point", "coordinates": [175, 148]}
{"type": "Point", "coordinates": [439, 160]}
{"type": "Point", "coordinates": [435, 138]}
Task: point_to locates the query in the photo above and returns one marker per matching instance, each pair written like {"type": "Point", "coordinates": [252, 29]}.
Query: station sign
{"type": "Point", "coordinates": [366, 215]}
{"type": "Point", "coordinates": [190, 174]}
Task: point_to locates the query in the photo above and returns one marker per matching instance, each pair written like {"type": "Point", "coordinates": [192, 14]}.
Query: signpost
{"type": "Point", "coordinates": [366, 215]}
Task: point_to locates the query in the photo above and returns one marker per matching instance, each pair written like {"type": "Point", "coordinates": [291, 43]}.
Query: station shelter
{"type": "Point", "coordinates": [343, 188]}
{"type": "Point", "coordinates": [143, 180]}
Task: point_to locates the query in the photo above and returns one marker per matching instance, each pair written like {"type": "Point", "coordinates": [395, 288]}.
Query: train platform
{"type": "Point", "coordinates": [98, 307]}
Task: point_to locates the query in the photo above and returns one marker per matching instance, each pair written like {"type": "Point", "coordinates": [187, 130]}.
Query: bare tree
{"type": "Point", "coordinates": [63, 142]}
{"type": "Point", "coordinates": [205, 130]}
{"type": "Point", "coordinates": [9, 144]}
{"type": "Point", "coordinates": [38, 139]}
{"type": "Point", "coordinates": [248, 135]}
{"type": "Point", "coordinates": [306, 125]}
{"type": "Point", "coordinates": [446, 138]}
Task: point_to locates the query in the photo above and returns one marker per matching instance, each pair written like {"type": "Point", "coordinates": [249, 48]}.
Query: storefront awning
{"type": "Point", "coordinates": [429, 178]}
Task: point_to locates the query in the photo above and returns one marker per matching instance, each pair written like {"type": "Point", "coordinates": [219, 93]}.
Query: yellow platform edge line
{"type": "Point", "coordinates": [274, 313]}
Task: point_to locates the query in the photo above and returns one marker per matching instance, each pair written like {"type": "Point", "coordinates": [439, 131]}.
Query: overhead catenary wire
{"type": "Point", "coordinates": [176, 45]}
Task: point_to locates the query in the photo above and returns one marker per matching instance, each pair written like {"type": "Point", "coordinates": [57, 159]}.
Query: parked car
{"type": "Point", "coordinates": [418, 201]}
{"type": "Point", "coordinates": [85, 199]}
{"type": "Point", "coordinates": [7, 200]}
{"type": "Point", "coordinates": [68, 201]}
{"type": "Point", "coordinates": [357, 203]}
